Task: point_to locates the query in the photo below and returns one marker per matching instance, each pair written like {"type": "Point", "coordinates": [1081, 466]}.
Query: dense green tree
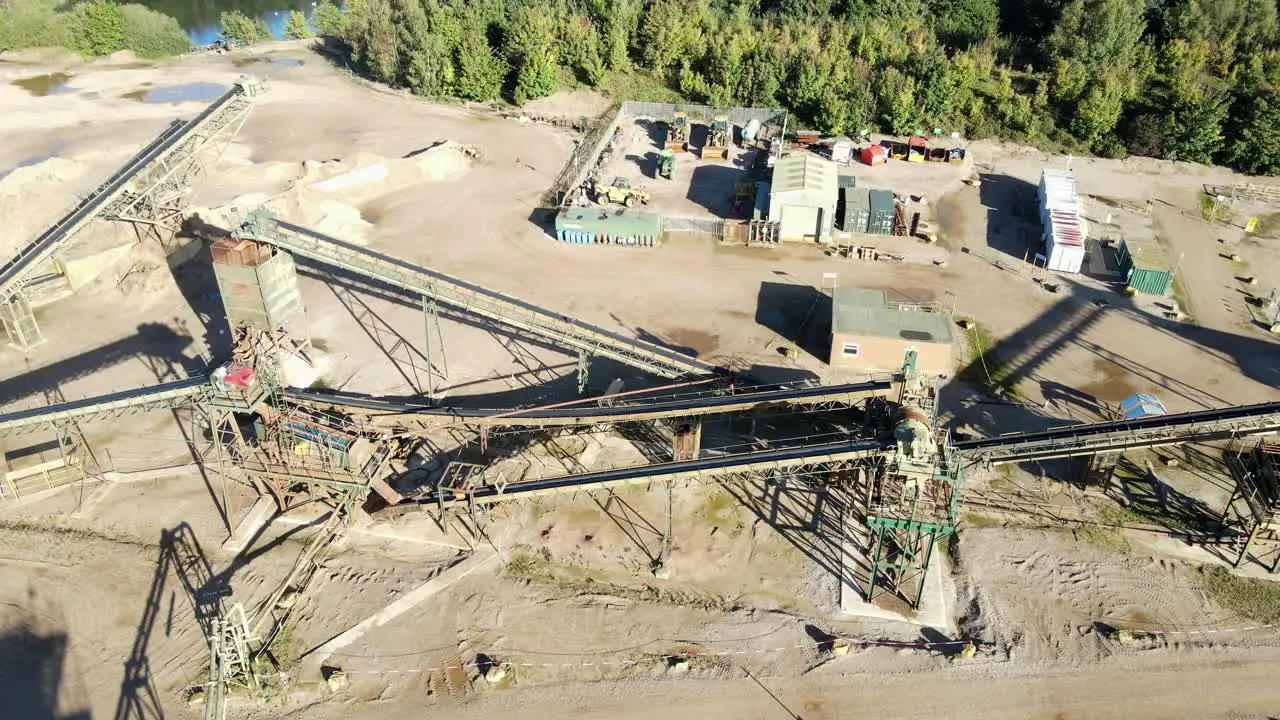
{"type": "Point", "coordinates": [1255, 146]}
{"type": "Point", "coordinates": [328, 20]}
{"type": "Point", "coordinates": [531, 47]}
{"type": "Point", "coordinates": [964, 23]}
{"type": "Point", "coordinates": [296, 26]}
{"type": "Point", "coordinates": [242, 29]}
{"type": "Point", "coordinates": [480, 70]}
{"type": "Point", "coordinates": [97, 27]}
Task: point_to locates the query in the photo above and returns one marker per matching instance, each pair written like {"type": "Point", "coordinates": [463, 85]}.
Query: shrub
{"type": "Point", "coordinates": [242, 29]}
{"type": "Point", "coordinates": [328, 20]}
{"type": "Point", "coordinates": [296, 27]}
{"type": "Point", "coordinates": [32, 23]}
{"type": "Point", "coordinates": [153, 34]}
{"type": "Point", "coordinates": [97, 28]}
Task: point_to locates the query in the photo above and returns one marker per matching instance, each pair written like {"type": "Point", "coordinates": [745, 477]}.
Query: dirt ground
{"type": "Point", "coordinates": [574, 603]}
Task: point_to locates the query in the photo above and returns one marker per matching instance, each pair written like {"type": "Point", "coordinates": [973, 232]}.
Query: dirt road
{"type": "Point", "coordinates": [1224, 688]}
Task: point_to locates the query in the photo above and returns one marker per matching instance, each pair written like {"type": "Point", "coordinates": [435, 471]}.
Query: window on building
{"type": "Point", "coordinates": [849, 350]}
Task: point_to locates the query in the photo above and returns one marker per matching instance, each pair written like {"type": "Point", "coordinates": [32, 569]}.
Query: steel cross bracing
{"type": "Point", "coordinates": [559, 329]}
{"type": "Point", "coordinates": [1117, 436]}
{"type": "Point", "coordinates": [148, 188]}
{"type": "Point", "coordinates": [384, 411]}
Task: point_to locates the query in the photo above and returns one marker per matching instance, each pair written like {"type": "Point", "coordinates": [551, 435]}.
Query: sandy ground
{"type": "Point", "coordinates": [738, 584]}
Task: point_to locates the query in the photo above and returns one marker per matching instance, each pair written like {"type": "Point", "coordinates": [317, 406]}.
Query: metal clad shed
{"type": "Point", "coordinates": [803, 197]}
{"type": "Point", "coordinates": [1145, 266]}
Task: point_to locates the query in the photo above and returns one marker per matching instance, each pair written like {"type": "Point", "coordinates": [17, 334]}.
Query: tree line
{"type": "Point", "coordinates": [1191, 80]}
{"type": "Point", "coordinates": [90, 28]}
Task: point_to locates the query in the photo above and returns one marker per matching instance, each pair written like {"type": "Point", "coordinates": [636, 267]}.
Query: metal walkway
{"type": "Point", "coordinates": [559, 329]}
{"type": "Point", "coordinates": [156, 397]}
{"type": "Point", "coordinates": [1121, 435]}
{"type": "Point", "coordinates": [400, 411]}
{"type": "Point", "coordinates": [674, 472]}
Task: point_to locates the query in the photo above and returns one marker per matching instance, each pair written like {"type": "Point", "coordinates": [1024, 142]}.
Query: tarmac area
{"type": "Point", "coordinates": [746, 621]}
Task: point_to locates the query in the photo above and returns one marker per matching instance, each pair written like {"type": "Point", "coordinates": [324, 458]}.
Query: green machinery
{"type": "Point", "coordinates": [619, 191]}
{"type": "Point", "coordinates": [677, 132]}
{"type": "Point", "coordinates": [913, 501]}
{"type": "Point", "coordinates": [719, 135]}
{"type": "Point", "coordinates": [666, 163]}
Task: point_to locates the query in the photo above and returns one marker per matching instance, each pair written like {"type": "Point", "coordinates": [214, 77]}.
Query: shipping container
{"type": "Point", "coordinates": [881, 215]}
{"type": "Point", "coordinates": [857, 209]}
{"type": "Point", "coordinates": [847, 181]}
{"type": "Point", "coordinates": [1145, 266]}
{"type": "Point", "coordinates": [587, 226]}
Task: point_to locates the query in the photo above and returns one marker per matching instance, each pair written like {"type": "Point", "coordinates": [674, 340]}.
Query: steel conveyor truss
{"type": "Point", "coordinates": [559, 329]}
{"type": "Point", "coordinates": [165, 396]}
{"type": "Point", "coordinates": [1121, 435]}
{"type": "Point", "coordinates": [384, 412]}
{"type": "Point", "coordinates": [150, 190]}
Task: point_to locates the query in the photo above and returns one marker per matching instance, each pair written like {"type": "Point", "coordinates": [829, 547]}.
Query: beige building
{"type": "Point", "coordinates": [802, 198]}
{"type": "Point", "coordinates": [870, 333]}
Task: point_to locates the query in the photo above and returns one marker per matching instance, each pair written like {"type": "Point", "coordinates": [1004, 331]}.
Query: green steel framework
{"type": "Point", "coordinates": [902, 544]}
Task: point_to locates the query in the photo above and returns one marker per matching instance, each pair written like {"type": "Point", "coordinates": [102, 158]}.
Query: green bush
{"type": "Point", "coordinates": [296, 27]}
{"type": "Point", "coordinates": [242, 29]}
{"type": "Point", "coordinates": [95, 27]}
{"type": "Point", "coordinates": [153, 34]}
{"type": "Point", "coordinates": [328, 20]}
{"type": "Point", "coordinates": [31, 24]}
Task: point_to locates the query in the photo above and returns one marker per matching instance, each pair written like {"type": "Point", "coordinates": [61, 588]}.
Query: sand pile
{"type": "Point", "coordinates": [33, 197]}
{"type": "Point", "coordinates": [328, 195]}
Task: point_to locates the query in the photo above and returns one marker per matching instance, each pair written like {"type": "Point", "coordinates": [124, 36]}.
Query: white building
{"type": "Point", "coordinates": [1065, 229]}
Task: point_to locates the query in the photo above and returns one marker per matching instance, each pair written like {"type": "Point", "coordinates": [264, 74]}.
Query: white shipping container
{"type": "Point", "coordinates": [1064, 242]}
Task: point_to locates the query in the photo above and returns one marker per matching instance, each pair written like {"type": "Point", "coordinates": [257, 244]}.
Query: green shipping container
{"type": "Point", "coordinates": [855, 208]}
{"type": "Point", "coordinates": [880, 221]}
{"type": "Point", "coordinates": [1145, 267]}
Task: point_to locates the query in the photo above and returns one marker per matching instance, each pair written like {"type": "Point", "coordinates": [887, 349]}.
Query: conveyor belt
{"type": "Point", "coordinates": [19, 268]}
{"type": "Point", "coordinates": [465, 296]}
{"type": "Point", "coordinates": [682, 471]}
{"type": "Point", "coordinates": [167, 395]}
{"type": "Point", "coordinates": [1117, 436]}
{"type": "Point", "coordinates": [399, 410]}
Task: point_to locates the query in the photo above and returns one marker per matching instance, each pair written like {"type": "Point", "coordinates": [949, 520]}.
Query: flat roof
{"type": "Point", "coordinates": [1147, 254]}
{"type": "Point", "coordinates": [862, 311]}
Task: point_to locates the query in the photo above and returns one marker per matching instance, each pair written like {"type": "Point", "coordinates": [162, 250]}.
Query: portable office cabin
{"type": "Point", "coordinates": [802, 197]}
{"type": "Point", "coordinates": [881, 215]}
{"type": "Point", "coordinates": [1145, 266]}
{"type": "Point", "coordinates": [583, 226]}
